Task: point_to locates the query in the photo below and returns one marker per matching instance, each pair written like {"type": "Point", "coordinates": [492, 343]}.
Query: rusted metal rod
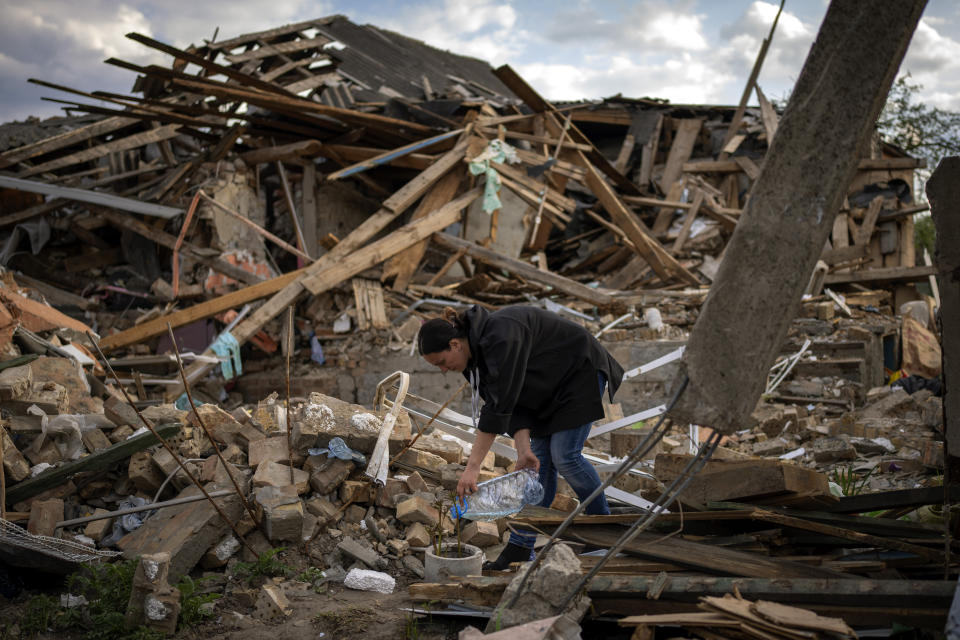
{"type": "Point", "coordinates": [166, 445]}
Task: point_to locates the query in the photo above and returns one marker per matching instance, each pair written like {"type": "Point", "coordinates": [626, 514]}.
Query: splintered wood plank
{"type": "Point", "coordinates": [648, 155]}
{"type": "Point", "coordinates": [665, 213]}
{"type": "Point", "coordinates": [704, 557]}
{"type": "Point", "coordinates": [404, 264]}
{"type": "Point", "coordinates": [267, 34]}
{"type": "Point", "coordinates": [523, 269]}
{"type": "Point", "coordinates": [377, 252]}
{"type": "Point", "coordinates": [276, 101]}
{"type": "Point", "coordinates": [266, 51]}
{"type": "Point", "coordinates": [680, 150]}
{"type": "Point", "coordinates": [308, 188]}
{"type": "Point", "coordinates": [130, 142]}
{"type": "Point", "coordinates": [768, 115]}
{"type": "Point", "coordinates": [410, 192]}
{"type": "Point", "coordinates": [626, 150]}
{"type": "Point", "coordinates": [368, 296]}
{"type": "Point", "coordinates": [865, 230]}
{"type": "Point", "coordinates": [749, 166]}
{"type": "Point", "coordinates": [645, 244]}
{"type": "Point", "coordinates": [62, 140]}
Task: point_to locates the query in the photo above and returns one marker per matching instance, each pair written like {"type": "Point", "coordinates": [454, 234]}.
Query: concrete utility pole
{"type": "Point", "coordinates": [757, 292]}
{"type": "Point", "coordinates": [943, 192]}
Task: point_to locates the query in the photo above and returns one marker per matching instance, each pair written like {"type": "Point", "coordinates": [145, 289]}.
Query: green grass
{"type": "Point", "coordinates": [266, 566]}
{"type": "Point", "coordinates": [192, 611]}
{"type": "Point", "coordinates": [849, 481]}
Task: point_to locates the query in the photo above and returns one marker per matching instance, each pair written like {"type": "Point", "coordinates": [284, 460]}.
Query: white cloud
{"type": "Point", "coordinates": [933, 60]}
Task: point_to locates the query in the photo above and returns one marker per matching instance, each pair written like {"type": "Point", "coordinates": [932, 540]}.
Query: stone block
{"type": "Point", "coordinates": [259, 544]}
{"type": "Point", "coordinates": [271, 450]}
{"type": "Point", "coordinates": [15, 382]}
{"type": "Point", "coordinates": [153, 602]}
{"type": "Point", "coordinates": [354, 514]}
{"type": "Point", "coordinates": [222, 426]}
{"type": "Point", "coordinates": [185, 531]}
{"type": "Point", "coordinates": [481, 534]}
{"type": "Point", "coordinates": [60, 491]}
{"type": "Point", "coordinates": [386, 495]}
{"type": "Point", "coordinates": [398, 547]}
{"type": "Point", "coordinates": [120, 413]}
{"type": "Point", "coordinates": [355, 491]}
{"type": "Point", "coordinates": [143, 473]}
{"type": "Point", "coordinates": [329, 476]}
{"type": "Point", "coordinates": [50, 397]}
{"type": "Point", "coordinates": [272, 604]}
{"type": "Point", "coordinates": [166, 465]}
{"type": "Point", "coordinates": [446, 449]}
{"type": "Point", "coordinates": [95, 440]}
{"type": "Point", "coordinates": [831, 450]}
{"type": "Point", "coordinates": [356, 551]}
{"type": "Point", "coordinates": [165, 414]}
{"type": "Point", "coordinates": [304, 435]}
{"type": "Point", "coordinates": [772, 447]}
{"type": "Point", "coordinates": [273, 474]}
{"type": "Point", "coordinates": [563, 502]}
{"type": "Point", "coordinates": [98, 529]}
{"type": "Point", "coordinates": [310, 526]}
{"type": "Point", "coordinates": [44, 516]}
{"type": "Point", "coordinates": [218, 555]}
{"type": "Point", "coordinates": [352, 422]}
{"type": "Point", "coordinates": [415, 482]}
{"type": "Point", "coordinates": [121, 433]}
{"type": "Point", "coordinates": [14, 464]}
{"type": "Point", "coordinates": [68, 374]}
{"type": "Point", "coordinates": [422, 459]}
{"type": "Point", "coordinates": [280, 512]}
{"type": "Point", "coordinates": [417, 509]}
{"type": "Point", "coordinates": [325, 511]}
{"type": "Point", "coordinates": [47, 452]}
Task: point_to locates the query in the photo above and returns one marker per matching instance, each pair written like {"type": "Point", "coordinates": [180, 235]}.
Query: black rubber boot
{"type": "Point", "coordinates": [511, 553]}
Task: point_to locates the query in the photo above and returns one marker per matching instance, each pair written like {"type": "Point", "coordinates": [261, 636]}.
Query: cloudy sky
{"type": "Point", "coordinates": [698, 51]}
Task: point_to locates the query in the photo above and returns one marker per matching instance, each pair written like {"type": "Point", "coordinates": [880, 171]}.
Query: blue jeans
{"type": "Point", "coordinates": [563, 452]}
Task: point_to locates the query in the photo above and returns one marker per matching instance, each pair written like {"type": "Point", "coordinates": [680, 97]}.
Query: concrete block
{"type": "Point", "coordinates": [481, 534]}
{"type": "Point", "coordinates": [330, 475]}
{"type": "Point", "coordinates": [44, 515]}
{"type": "Point", "coordinates": [310, 525]}
{"type": "Point", "coordinates": [60, 491]}
{"type": "Point", "coordinates": [50, 397]}
{"type": "Point", "coordinates": [417, 509]}
{"type": "Point", "coordinates": [218, 555]}
{"type": "Point", "coordinates": [355, 491]}
{"type": "Point", "coordinates": [153, 571]}
{"type": "Point", "coordinates": [565, 503]}
{"type": "Point", "coordinates": [98, 529]}
{"type": "Point", "coordinates": [166, 464]}
{"type": "Point", "coordinates": [47, 452]}
{"type": "Point", "coordinates": [280, 512]}
{"type": "Point", "coordinates": [386, 495]}
{"type": "Point", "coordinates": [398, 547]}
{"type": "Point", "coordinates": [272, 474]}
{"type": "Point", "coordinates": [222, 426]}
{"type": "Point", "coordinates": [364, 580]}
{"type": "Point", "coordinates": [353, 549]}
{"type": "Point", "coordinates": [272, 604]}
{"type": "Point", "coordinates": [143, 473]}
{"type": "Point", "coordinates": [304, 435]}
{"type": "Point", "coordinates": [95, 440]}
{"type": "Point", "coordinates": [415, 482]}
{"type": "Point", "coordinates": [14, 464]}
{"type": "Point", "coordinates": [15, 382]}
{"type": "Point", "coordinates": [153, 602]}
{"type": "Point", "coordinates": [417, 535]}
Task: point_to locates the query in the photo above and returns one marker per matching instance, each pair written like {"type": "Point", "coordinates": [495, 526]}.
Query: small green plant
{"type": "Point", "coordinates": [106, 588]}
{"type": "Point", "coordinates": [442, 508]}
{"type": "Point", "coordinates": [266, 566]}
{"type": "Point", "coordinates": [411, 627]}
{"type": "Point", "coordinates": [192, 611]}
{"type": "Point", "coordinates": [849, 481]}
{"type": "Point", "coordinates": [315, 577]}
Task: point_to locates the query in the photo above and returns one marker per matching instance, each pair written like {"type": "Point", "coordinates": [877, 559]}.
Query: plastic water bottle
{"type": "Point", "coordinates": [500, 497]}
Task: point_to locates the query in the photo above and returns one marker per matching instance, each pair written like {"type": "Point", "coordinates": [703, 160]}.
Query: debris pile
{"type": "Point", "coordinates": [313, 191]}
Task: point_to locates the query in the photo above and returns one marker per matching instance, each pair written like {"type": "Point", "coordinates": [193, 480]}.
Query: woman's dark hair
{"type": "Point", "coordinates": [435, 334]}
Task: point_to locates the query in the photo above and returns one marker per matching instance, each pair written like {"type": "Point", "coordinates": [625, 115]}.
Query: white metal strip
{"type": "Point", "coordinates": [633, 500]}
{"type": "Point", "coordinates": [659, 362]}
{"type": "Point", "coordinates": [622, 422]}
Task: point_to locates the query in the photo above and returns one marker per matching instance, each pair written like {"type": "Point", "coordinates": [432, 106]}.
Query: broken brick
{"type": "Point", "coordinates": [273, 474]}
{"type": "Point", "coordinates": [417, 509]}
{"type": "Point", "coordinates": [44, 516]}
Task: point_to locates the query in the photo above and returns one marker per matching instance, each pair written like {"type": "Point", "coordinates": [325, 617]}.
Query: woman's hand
{"type": "Point", "coordinates": [468, 482]}
{"type": "Point", "coordinates": [525, 456]}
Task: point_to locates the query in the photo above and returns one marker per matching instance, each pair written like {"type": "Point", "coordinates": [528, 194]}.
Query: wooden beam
{"type": "Point", "coordinates": [123, 144]}
{"type": "Point", "coordinates": [170, 241]}
{"type": "Point", "coordinates": [882, 274]}
{"type": "Point", "coordinates": [284, 152]}
{"type": "Point", "coordinates": [404, 264]}
{"type": "Point", "coordinates": [680, 150]}
{"type": "Point", "coordinates": [523, 269]}
{"type": "Point", "coordinates": [645, 244]}
{"type": "Point", "coordinates": [688, 222]}
{"type": "Point", "coordinates": [69, 138]}
{"type": "Point", "coordinates": [268, 50]}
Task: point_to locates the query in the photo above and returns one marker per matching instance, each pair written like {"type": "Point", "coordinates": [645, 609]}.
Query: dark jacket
{"type": "Point", "coordinates": [536, 370]}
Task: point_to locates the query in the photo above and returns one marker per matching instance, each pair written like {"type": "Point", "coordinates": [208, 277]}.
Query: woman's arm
{"type": "Point", "coordinates": [525, 456]}
{"type": "Point", "coordinates": [468, 479]}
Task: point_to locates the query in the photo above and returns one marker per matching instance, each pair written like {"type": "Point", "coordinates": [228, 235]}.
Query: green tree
{"type": "Point", "coordinates": [921, 130]}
